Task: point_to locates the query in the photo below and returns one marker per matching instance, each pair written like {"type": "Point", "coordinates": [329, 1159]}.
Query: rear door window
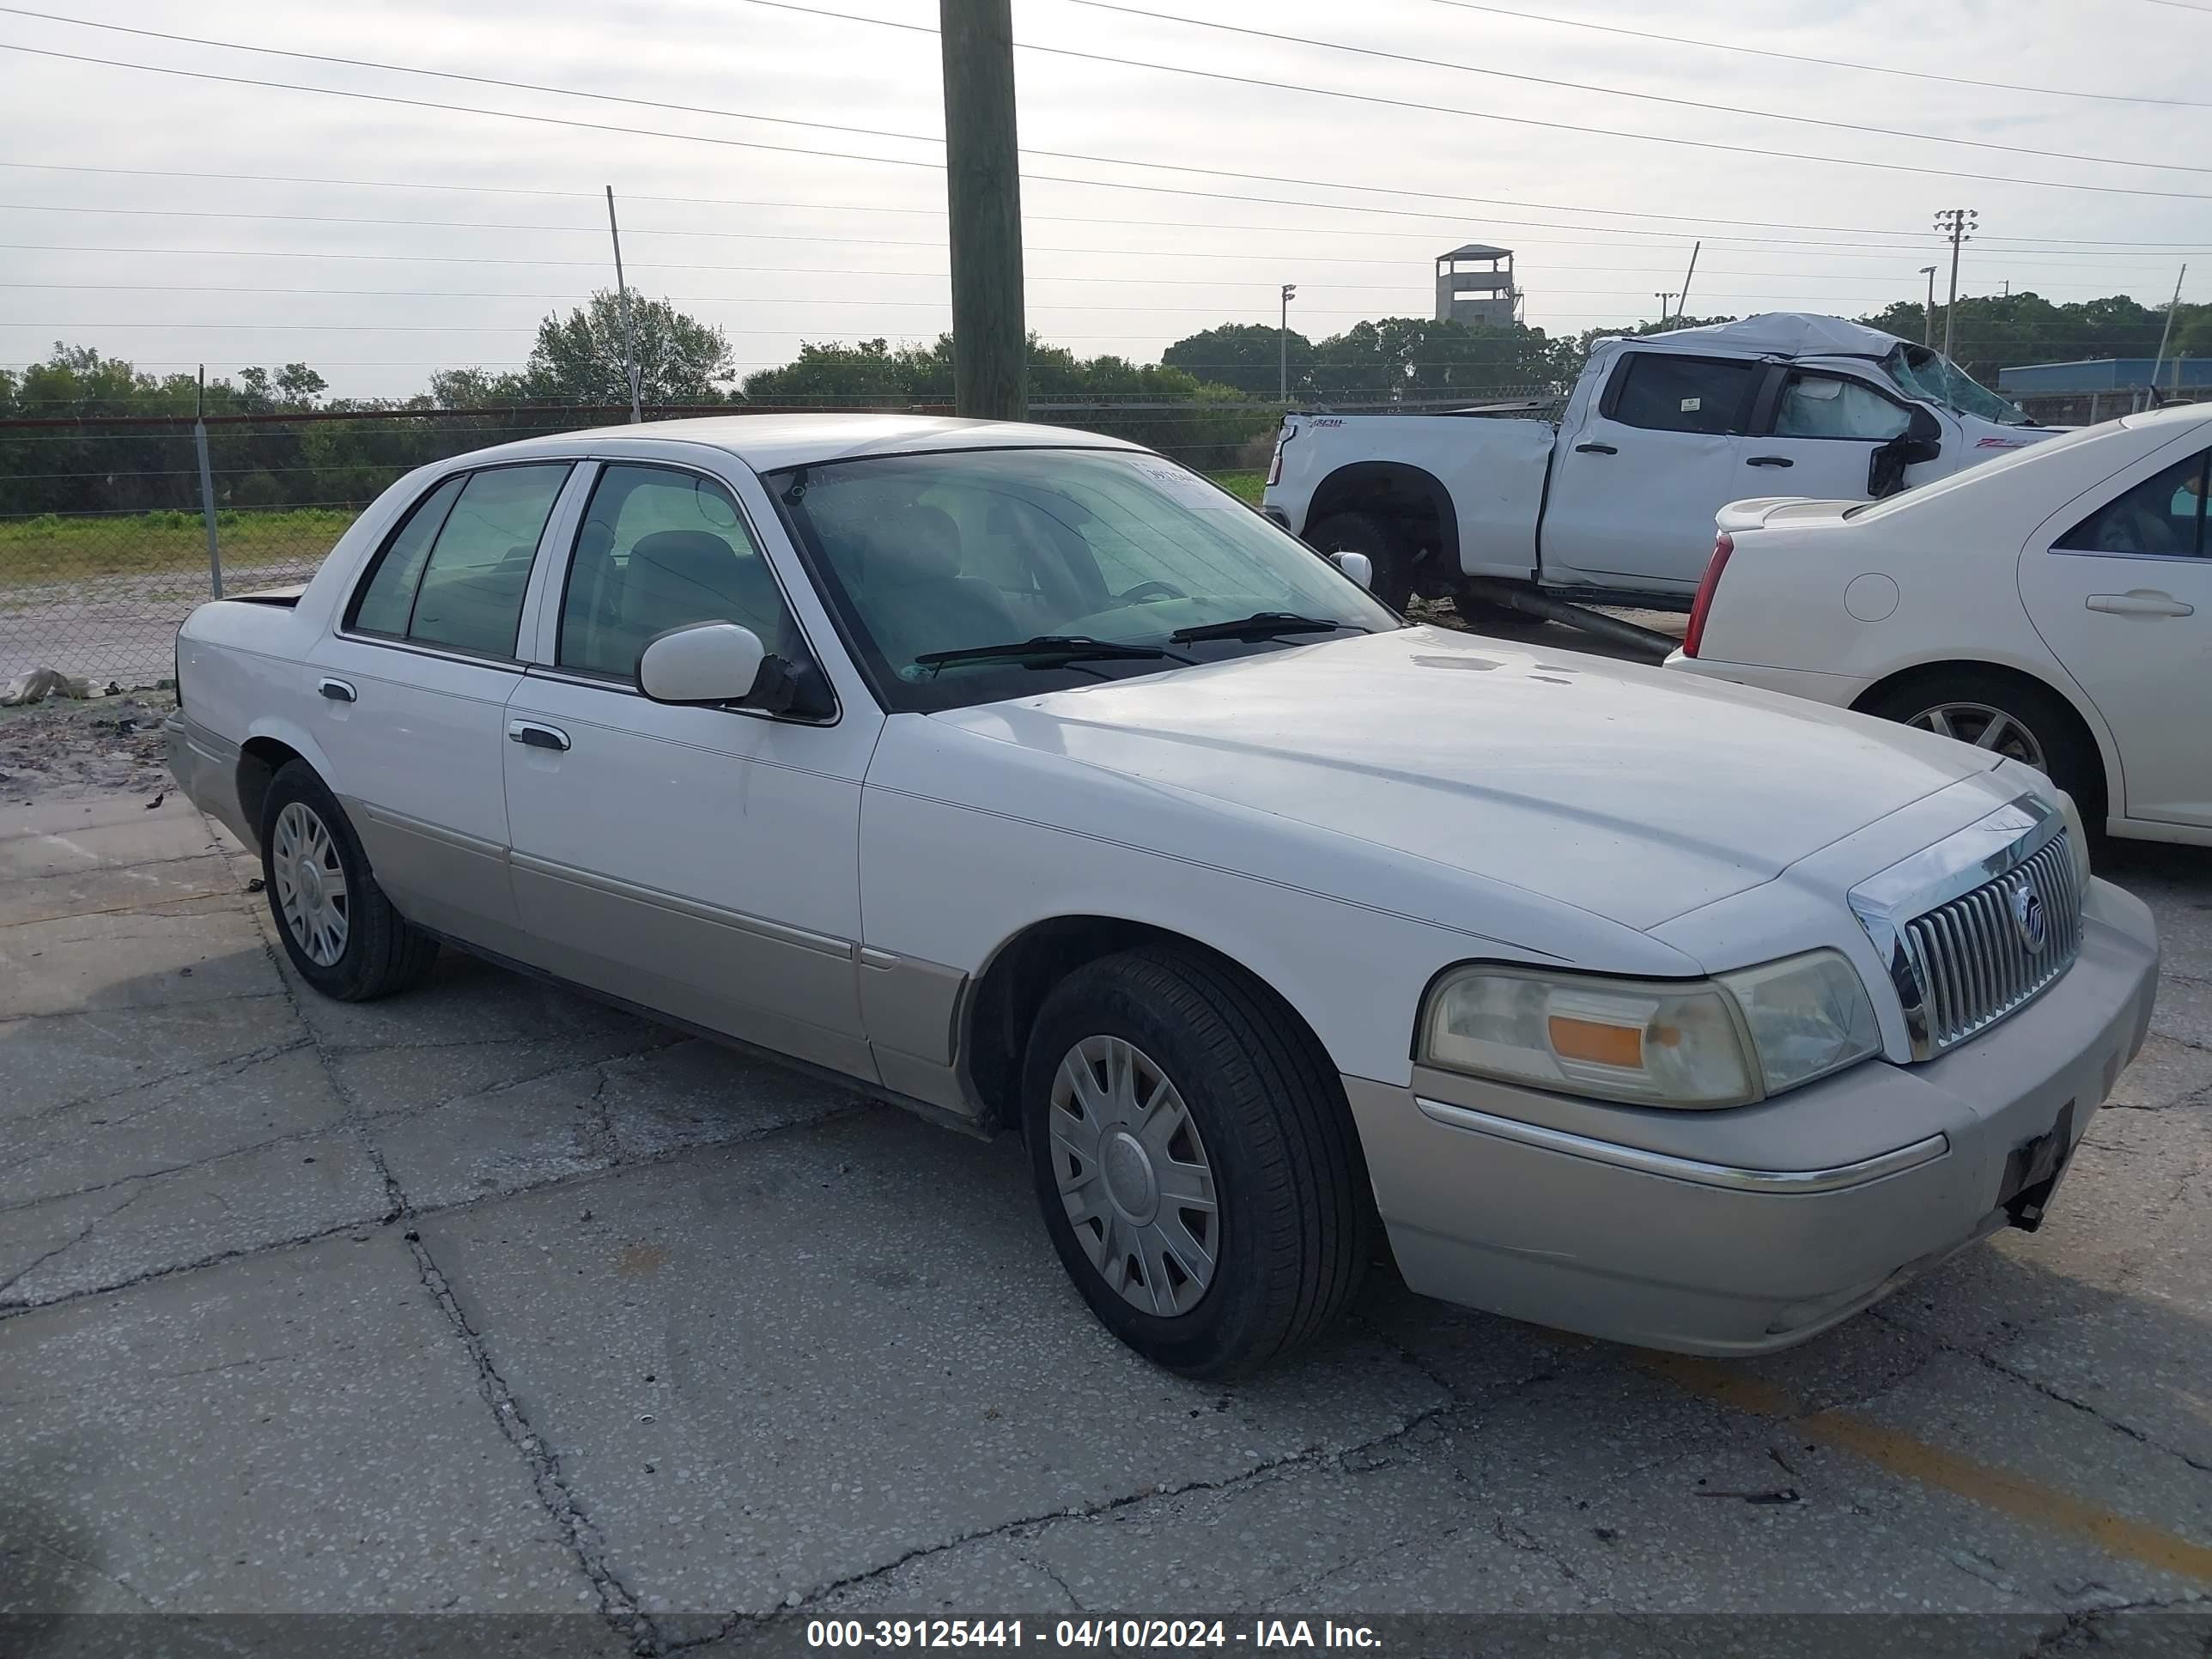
{"type": "Point", "coordinates": [2162, 516]}
{"type": "Point", "coordinates": [1664, 393]}
{"type": "Point", "coordinates": [453, 573]}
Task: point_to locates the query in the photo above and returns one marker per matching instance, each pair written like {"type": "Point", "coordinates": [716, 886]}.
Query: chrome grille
{"type": "Point", "coordinates": [1972, 957]}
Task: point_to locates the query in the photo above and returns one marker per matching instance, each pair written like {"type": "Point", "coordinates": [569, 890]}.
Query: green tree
{"type": "Point", "coordinates": [1418, 359]}
{"type": "Point", "coordinates": [578, 358]}
{"type": "Point", "coordinates": [1248, 356]}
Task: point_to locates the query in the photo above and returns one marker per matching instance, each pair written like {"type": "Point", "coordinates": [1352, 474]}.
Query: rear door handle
{"type": "Point", "coordinates": [536, 736]}
{"type": "Point", "coordinates": [336, 690]}
{"type": "Point", "coordinates": [1596, 449]}
{"type": "Point", "coordinates": [1770, 460]}
{"type": "Point", "coordinates": [2140, 604]}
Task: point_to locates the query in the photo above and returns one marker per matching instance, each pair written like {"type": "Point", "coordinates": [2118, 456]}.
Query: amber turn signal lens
{"type": "Point", "coordinates": [1592, 1040]}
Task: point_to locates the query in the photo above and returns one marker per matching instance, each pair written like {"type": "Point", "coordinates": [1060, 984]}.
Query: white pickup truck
{"type": "Point", "coordinates": [1613, 502]}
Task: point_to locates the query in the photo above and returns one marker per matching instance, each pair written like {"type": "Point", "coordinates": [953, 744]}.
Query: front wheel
{"type": "Point", "coordinates": [1195, 1161]}
{"type": "Point", "coordinates": [339, 930]}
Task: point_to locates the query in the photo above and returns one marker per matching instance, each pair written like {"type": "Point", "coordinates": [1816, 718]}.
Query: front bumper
{"type": "Point", "coordinates": [1705, 1246]}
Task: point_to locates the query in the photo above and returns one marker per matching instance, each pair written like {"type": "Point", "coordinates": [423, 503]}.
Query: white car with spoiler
{"type": "Point", "coordinates": [1023, 778]}
{"type": "Point", "coordinates": [2055, 607]}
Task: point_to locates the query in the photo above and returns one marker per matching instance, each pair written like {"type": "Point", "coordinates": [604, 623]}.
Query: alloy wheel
{"type": "Point", "coordinates": [1985, 727]}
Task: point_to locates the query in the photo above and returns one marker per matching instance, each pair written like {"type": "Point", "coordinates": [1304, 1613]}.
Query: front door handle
{"type": "Point", "coordinates": [336, 690]}
{"type": "Point", "coordinates": [1596, 449]}
{"type": "Point", "coordinates": [2142, 602]}
{"type": "Point", "coordinates": [1770, 460]}
{"type": "Point", "coordinates": [536, 736]}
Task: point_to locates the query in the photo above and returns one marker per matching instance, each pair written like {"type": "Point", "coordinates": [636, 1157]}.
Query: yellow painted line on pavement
{"type": "Point", "coordinates": [1964, 1477]}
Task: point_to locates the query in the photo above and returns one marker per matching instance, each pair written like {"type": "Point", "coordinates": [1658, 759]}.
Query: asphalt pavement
{"type": "Point", "coordinates": [487, 1300]}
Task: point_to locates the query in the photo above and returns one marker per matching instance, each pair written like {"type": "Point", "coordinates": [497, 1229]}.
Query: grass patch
{"type": "Point", "coordinates": [65, 548]}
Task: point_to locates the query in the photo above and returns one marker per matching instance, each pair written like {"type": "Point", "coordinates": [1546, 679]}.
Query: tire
{"type": "Point", "coordinates": [1385, 550]}
{"type": "Point", "coordinates": [349, 944]}
{"type": "Point", "coordinates": [1483, 615]}
{"type": "Point", "coordinates": [1262, 1120]}
{"type": "Point", "coordinates": [2043, 731]}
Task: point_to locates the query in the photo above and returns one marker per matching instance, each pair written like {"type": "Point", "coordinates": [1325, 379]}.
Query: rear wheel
{"type": "Point", "coordinates": [2011, 717]}
{"type": "Point", "coordinates": [1379, 539]}
{"type": "Point", "coordinates": [339, 930]}
{"type": "Point", "coordinates": [1194, 1159]}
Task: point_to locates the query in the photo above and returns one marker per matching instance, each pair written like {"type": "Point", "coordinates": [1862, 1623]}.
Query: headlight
{"type": "Point", "coordinates": [2077, 842]}
{"type": "Point", "coordinates": [1696, 1044]}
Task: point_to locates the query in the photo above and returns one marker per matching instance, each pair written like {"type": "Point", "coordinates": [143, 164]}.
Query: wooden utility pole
{"type": "Point", "coordinates": [983, 201]}
{"type": "Point", "coordinates": [1957, 223]}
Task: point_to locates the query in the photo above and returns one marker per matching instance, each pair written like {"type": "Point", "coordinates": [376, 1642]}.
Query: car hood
{"type": "Point", "coordinates": [1625, 791]}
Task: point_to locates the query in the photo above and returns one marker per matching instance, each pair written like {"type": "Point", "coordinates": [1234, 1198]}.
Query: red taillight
{"type": "Point", "coordinates": [1723, 544]}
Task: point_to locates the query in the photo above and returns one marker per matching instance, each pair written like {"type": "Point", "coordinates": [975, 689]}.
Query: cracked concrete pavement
{"type": "Point", "coordinates": [489, 1298]}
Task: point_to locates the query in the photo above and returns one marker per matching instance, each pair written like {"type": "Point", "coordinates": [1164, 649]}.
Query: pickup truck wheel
{"type": "Point", "coordinates": [1385, 550]}
{"type": "Point", "coordinates": [2008, 717]}
{"type": "Point", "coordinates": [339, 930]}
{"type": "Point", "coordinates": [1484, 614]}
{"type": "Point", "coordinates": [1196, 1165]}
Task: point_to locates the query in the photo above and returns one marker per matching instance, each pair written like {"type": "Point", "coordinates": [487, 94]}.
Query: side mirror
{"type": "Point", "coordinates": [706, 662]}
{"type": "Point", "coordinates": [1358, 566]}
{"type": "Point", "coordinates": [1922, 441]}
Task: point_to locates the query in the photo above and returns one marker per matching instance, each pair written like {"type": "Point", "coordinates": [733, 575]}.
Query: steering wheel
{"type": "Point", "coordinates": [1144, 591]}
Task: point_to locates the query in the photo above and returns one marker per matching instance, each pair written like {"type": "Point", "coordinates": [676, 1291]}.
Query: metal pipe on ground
{"type": "Point", "coordinates": [1533, 604]}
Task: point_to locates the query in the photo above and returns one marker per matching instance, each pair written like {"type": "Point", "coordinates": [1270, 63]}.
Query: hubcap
{"type": "Point", "coordinates": [1133, 1176]}
{"type": "Point", "coordinates": [1985, 727]}
{"type": "Point", "coordinates": [310, 883]}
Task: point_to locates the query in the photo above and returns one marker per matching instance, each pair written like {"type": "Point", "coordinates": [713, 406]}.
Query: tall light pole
{"type": "Point", "coordinates": [1957, 223]}
{"type": "Point", "coordinates": [1283, 344]}
{"type": "Point", "coordinates": [1663, 299]}
{"type": "Point", "coordinates": [1927, 317]}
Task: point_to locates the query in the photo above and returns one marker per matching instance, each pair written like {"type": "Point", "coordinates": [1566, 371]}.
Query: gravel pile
{"type": "Point", "coordinates": [64, 750]}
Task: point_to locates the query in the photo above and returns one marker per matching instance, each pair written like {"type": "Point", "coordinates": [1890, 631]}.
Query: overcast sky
{"type": "Point", "coordinates": [777, 247]}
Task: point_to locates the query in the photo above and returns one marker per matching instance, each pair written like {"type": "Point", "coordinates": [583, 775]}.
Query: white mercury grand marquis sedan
{"type": "Point", "coordinates": [1030, 780]}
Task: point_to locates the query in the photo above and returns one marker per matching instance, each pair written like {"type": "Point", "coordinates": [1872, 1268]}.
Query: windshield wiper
{"type": "Point", "coordinates": [1258, 625]}
{"type": "Point", "coordinates": [1044, 651]}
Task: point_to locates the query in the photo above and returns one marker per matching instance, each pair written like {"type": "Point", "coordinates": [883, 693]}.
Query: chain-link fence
{"type": "Point", "coordinates": [108, 540]}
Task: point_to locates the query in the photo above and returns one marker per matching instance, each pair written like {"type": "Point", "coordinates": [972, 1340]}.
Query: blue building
{"type": "Point", "coordinates": [2090, 375]}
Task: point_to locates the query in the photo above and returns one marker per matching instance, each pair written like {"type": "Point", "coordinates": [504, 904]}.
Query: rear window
{"type": "Point", "coordinates": [1664, 393]}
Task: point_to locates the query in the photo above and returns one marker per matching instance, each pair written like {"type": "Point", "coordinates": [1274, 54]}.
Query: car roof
{"type": "Point", "coordinates": [765, 443]}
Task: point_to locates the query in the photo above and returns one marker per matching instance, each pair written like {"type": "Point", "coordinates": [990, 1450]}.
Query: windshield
{"type": "Point", "coordinates": [1100, 563]}
{"type": "Point", "coordinates": [1932, 376]}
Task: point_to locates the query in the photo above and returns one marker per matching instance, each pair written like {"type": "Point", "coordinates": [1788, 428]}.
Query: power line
{"type": "Point", "coordinates": [2052, 243]}
{"type": "Point", "coordinates": [1825, 63]}
{"type": "Point", "coordinates": [589, 230]}
{"type": "Point", "coordinates": [1701, 105]}
{"type": "Point", "coordinates": [1271, 85]}
{"type": "Point", "coordinates": [418, 103]}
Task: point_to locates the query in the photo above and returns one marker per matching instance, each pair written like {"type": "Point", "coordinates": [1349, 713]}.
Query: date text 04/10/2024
{"type": "Point", "coordinates": [1087, 1633]}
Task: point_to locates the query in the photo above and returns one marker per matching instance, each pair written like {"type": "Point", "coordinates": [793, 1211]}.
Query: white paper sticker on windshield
{"type": "Point", "coordinates": [1183, 489]}
{"type": "Point", "coordinates": [1690, 406]}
